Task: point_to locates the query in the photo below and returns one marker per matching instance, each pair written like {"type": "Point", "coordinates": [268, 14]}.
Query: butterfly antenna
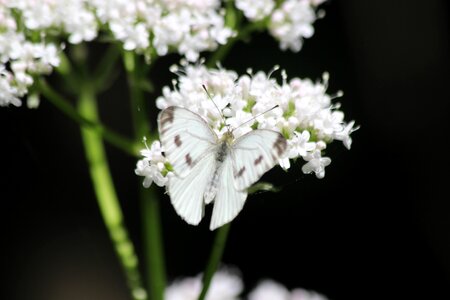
{"type": "Point", "coordinates": [209, 96]}
{"type": "Point", "coordinates": [251, 119]}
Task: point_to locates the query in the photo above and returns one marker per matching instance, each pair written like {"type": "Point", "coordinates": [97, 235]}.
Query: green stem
{"type": "Point", "coordinates": [106, 194]}
{"type": "Point", "coordinates": [156, 280]}
{"type": "Point", "coordinates": [153, 244]}
{"type": "Point", "coordinates": [215, 258]}
{"type": "Point", "coordinates": [63, 105]}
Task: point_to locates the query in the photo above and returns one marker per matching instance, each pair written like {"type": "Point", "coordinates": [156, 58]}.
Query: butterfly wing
{"type": "Point", "coordinates": [190, 146]}
{"type": "Point", "coordinates": [254, 154]}
{"type": "Point", "coordinates": [185, 137]}
{"type": "Point", "coordinates": [229, 201]}
{"type": "Point", "coordinates": [186, 193]}
{"type": "Point", "coordinates": [249, 158]}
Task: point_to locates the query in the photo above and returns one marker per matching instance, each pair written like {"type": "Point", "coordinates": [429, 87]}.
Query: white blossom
{"type": "Point", "coordinates": [271, 290]}
{"type": "Point", "coordinates": [316, 163]}
{"type": "Point", "coordinates": [300, 144]}
{"type": "Point", "coordinates": [255, 10]}
{"type": "Point", "coordinates": [225, 285]}
{"type": "Point", "coordinates": [292, 22]}
{"type": "Point", "coordinates": [344, 134]}
{"type": "Point", "coordinates": [153, 166]}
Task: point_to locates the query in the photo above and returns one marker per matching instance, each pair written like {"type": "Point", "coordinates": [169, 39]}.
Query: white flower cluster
{"type": "Point", "coordinates": [304, 114]}
{"type": "Point", "coordinates": [29, 30]}
{"type": "Point", "coordinates": [20, 59]}
{"type": "Point", "coordinates": [189, 26]}
{"type": "Point", "coordinates": [227, 285]}
{"type": "Point", "coordinates": [289, 22]}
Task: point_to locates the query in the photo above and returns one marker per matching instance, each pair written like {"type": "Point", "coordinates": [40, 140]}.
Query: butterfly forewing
{"type": "Point", "coordinates": [185, 138]}
{"type": "Point", "coordinates": [254, 154]}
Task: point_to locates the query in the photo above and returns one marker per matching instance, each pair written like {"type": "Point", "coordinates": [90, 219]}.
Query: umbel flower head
{"type": "Point", "coordinates": [305, 115]}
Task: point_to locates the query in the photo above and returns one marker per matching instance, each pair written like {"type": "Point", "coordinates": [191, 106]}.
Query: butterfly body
{"type": "Point", "coordinates": [213, 184]}
{"type": "Point", "coordinates": [210, 169]}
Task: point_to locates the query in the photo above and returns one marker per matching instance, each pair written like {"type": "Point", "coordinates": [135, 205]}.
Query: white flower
{"type": "Point", "coordinates": [316, 163]}
{"type": "Point", "coordinates": [344, 135]}
{"type": "Point", "coordinates": [255, 9]}
{"type": "Point", "coordinates": [225, 285]}
{"type": "Point", "coordinates": [269, 290]}
{"type": "Point", "coordinates": [300, 145]}
{"type": "Point", "coordinates": [190, 31]}
{"type": "Point", "coordinates": [292, 22]}
{"type": "Point", "coordinates": [8, 93]}
{"type": "Point", "coordinates": [153, 166]}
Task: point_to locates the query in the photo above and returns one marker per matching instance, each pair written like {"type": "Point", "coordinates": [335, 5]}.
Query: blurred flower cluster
{"type": "Point", "coordinates": [305, 114]}
{"type": "Point", "coordinates": [227, 285]}
{"type": "Point", "coordinates": [32, 33]}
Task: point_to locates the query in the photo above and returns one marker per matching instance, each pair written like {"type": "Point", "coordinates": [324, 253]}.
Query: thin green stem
{"type": "Point", "coordinates": [154, 262]}
{"type": "Point", "coordinates": [215, 258]}
{"type": "Point", "coordinates": [153, 244]}
{"type": "Point", "coordinates": [63, 105]}
{"type": "Point", "coordinates": [106, 194]}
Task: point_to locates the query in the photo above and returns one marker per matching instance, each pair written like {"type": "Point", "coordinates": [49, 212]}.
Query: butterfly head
{"type": "Point", "coordinates": [228, 137]}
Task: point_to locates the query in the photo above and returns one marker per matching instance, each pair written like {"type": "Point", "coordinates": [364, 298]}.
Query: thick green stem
{"type": "Point", "coordinates": [106, 194]}
{"type": "Point", "coordinates": [153, 243]}
{"type": "Point", "coordinates": [63, 105]}
{"type": "Point", "coordinates": [215, 258]}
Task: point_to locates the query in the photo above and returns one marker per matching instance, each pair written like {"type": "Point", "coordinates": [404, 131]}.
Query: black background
{"type": "Point", "coordinates": [377, 226]}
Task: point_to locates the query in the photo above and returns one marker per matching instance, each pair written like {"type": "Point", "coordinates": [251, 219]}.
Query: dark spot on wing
{"type": "Point", "coordinates": [188, 159]}
{"type": "Point", "coordinates": [167, 116]}
{"type": "Point", "coordinates": [177, 140]}
{"type": "Point", "coordinates": [241, 171]}
{"type": "Point", "coordinates": [280, 145]}
{"type": "Point", "coordinates": [258, 160]}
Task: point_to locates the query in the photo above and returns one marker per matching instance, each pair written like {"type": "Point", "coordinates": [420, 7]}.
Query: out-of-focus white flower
{"type": "Point", "coordinates": [8, 93]}
{"type": "Point", "coordinates": [292, 22]}
{"type": "Point", "coordinates": [305, 114]}
{"type": "Point", "coordinates": [153, 166]}
{"type": "Point", "coordinates": [269, 290]}
{"type": "Point", "coordinates": [225, 285]}
{"type": "Point", "coordinates": [316, 163]}
{"type": "Point", "coordinates": [255, 10]}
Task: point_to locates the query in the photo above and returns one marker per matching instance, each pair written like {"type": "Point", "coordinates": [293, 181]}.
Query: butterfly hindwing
{"type": "Point", "coordinates": [185, 138]}
{"type": "Point", "coordinates": [254, 154]}
{"type": "Point", "coordinates": [229, 201]}
{"type": "Point", "coordinates": [186, 193]}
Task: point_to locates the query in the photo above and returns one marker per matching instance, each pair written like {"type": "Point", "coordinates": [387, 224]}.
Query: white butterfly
{"type": "Point", "coordinates": [208, 168]}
